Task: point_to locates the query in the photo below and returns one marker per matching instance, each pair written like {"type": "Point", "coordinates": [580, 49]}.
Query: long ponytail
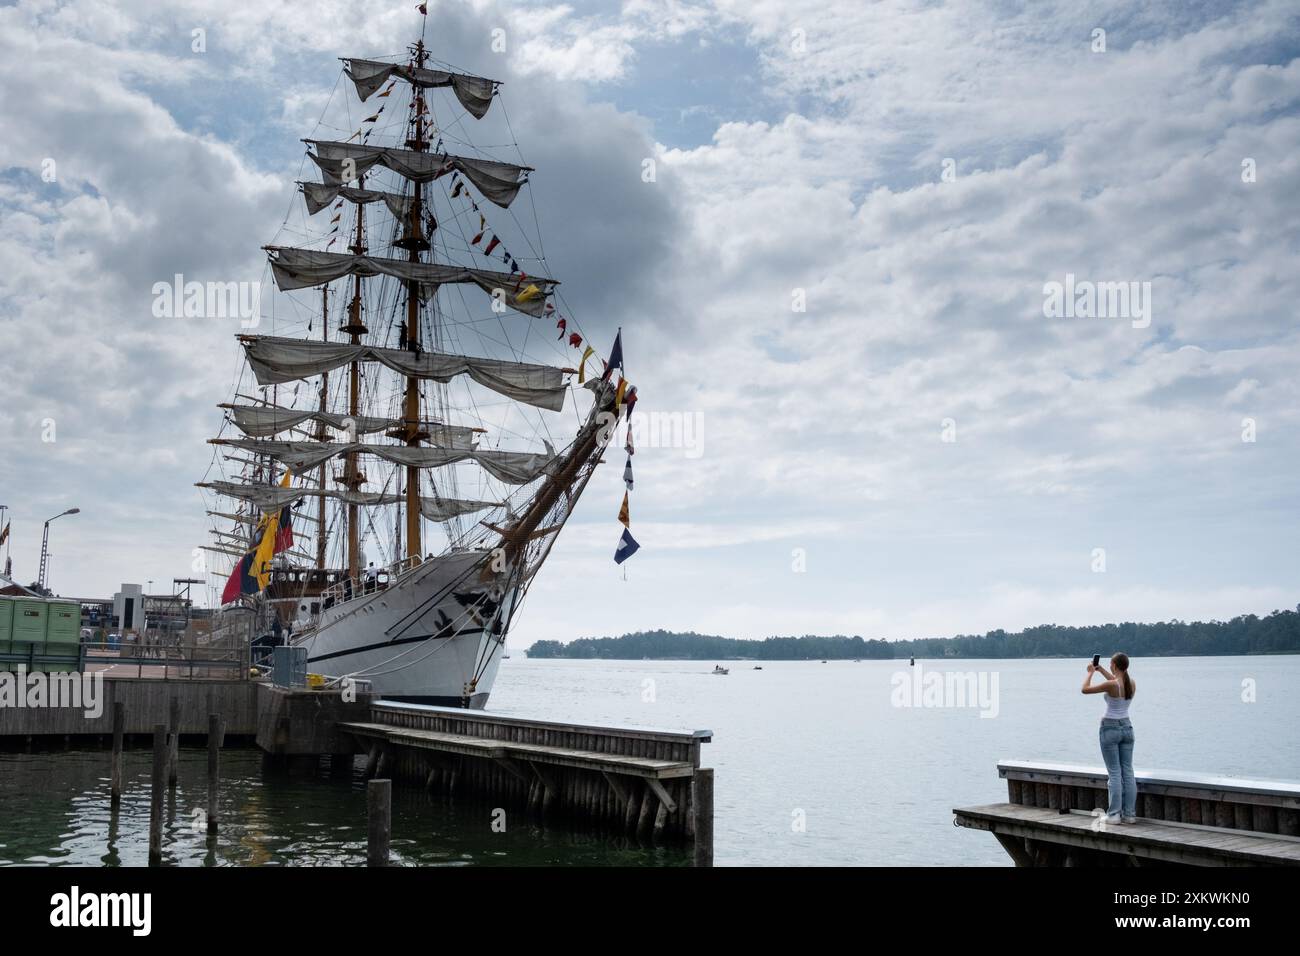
{"type": "Point", "coordinates": [1121, 664]}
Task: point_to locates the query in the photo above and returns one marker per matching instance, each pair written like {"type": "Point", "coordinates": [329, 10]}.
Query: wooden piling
{"type": "Point", "coordinates": [647, 804]}
{"type": "Point", "coordinates": [702, 807]}
{"type": "Point", "coordinates": [379, 821]}
{"type": "Point", "coordinates": [115, 762]}
{"type": "Point", "coordinates": [214, 768]}
{"type": "Point", "coordinates": [158, 784]}
{"type": "Point", "coordinates": [174, 735]}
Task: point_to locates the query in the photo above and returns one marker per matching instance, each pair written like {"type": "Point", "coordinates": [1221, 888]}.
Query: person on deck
{"type": "Point", "coordinates": [1116, 737]}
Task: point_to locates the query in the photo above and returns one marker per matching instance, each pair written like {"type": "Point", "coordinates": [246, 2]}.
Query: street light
{"type": "Point", "coordinates": [45, 545]}
{"type": "Point", "coordinates": [3, 525]}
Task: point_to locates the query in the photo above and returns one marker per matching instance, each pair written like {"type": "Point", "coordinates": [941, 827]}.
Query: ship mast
{"type": "Point", "coordinates": [414, 242]}
{"type": "Point", "coordinates": [352, 478]}
{"type": "Point", "coordinates": [321, 433]}
{"type": "Point", "coordinates": [417, 444]}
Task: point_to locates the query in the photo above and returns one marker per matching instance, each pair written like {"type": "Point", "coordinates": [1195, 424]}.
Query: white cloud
{"type": "Point", "coordinates": [924, 297]}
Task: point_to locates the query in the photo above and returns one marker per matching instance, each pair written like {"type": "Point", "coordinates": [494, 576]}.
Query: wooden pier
{"type": "Point", "coordinates": [630, 780]}
{"type": "Point", "coordinates": [633, 782]}
{"type": "Point", "coordinates": [1055, 816]}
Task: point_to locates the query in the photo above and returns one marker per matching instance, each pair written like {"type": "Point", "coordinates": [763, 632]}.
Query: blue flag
{"type": "Point", "coordinates": [615, 357]}
{"type": "Point", "coordinates": [627, 547]}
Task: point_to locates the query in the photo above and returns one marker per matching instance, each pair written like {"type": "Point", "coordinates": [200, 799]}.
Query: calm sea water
{"type": "Point", "coordinates": [816, 764]}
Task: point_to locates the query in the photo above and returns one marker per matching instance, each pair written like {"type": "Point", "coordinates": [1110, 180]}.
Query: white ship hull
{"type": "Point", "coordinates": [435, 635]}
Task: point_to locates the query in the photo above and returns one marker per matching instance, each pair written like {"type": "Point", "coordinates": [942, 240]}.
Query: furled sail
{"type": "Point", "coordinates": [319, 195]}
{"type": "Point", "coordinates": [513, 467]}
{"type": "Point", "coordinates": [301, 268]}
{"type": "Point", "coordinates": [263, 421]}
{"type": "Point", "coordinates": [474, 92]}
{"type": "Point", "coordinates": [444, 509]}
{"type": "Point", "coordinates": [275, 359]}
{"type": "Point", "coordinates": [497, 181]}
{"type": "Point", "coordinates": [269, 498]}
{"type": "Point", "coordinates": [241, 519]}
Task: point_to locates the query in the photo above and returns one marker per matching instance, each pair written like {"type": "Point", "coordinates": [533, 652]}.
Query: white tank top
{"type": "Point", "coordinates": [1117, 707]}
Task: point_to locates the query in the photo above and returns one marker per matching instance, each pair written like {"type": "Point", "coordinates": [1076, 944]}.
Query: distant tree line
{"type": "Point", "coordinates": [1278, 633]}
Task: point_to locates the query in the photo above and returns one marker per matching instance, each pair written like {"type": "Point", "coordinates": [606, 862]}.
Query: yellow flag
{"type": "Point", "coordinates": [618, 395]}
{"type": "Point", "coordinates": [623, 514]}
{"type": "Point", "coordinates": [582, 366]}
{"type": "Point", "coordinates": [270, 524]}
{"type": "Point", "coordinates": [529, 293]}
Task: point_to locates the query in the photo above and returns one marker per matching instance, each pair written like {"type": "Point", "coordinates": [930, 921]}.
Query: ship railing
{"type": "Point", "coordinates": [366, 583]}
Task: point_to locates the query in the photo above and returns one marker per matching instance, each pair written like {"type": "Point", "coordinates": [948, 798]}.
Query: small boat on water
{"type": "Point", "coordinates": [719, 669]}
{"type": "Point", "coordinates": [757, 668]}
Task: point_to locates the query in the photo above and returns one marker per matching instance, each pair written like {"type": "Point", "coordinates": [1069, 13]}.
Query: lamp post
{"type": "Point", "coordinates": [3, 525]}
{"type": "Point", "coordinates": [45, 545]}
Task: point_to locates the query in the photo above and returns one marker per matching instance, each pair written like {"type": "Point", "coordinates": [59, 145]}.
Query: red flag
{"type": "Point", "coordinates": [561, 325]}
{"type": "Point", "coordinates": [575, 339]}
{"type": "Point", "coordinates": [284, 531]}
{"type": "Point", "coordinates": [491, 245]}
{"type": "Point", "coordinates": [241, 580]}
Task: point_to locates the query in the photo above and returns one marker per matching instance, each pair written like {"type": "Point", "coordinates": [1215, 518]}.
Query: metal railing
{"type": "Point", "coordinates": [348, 588]}
{"type": "Point", "coordinates": [183, 660]}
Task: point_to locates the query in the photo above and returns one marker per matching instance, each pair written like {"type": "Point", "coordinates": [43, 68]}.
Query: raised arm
{"type": "Point", "coordinates": [1090, 688]}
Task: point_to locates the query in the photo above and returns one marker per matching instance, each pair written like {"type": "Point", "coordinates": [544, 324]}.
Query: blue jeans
{"type": "Point", "coordinates": [1117, 750]}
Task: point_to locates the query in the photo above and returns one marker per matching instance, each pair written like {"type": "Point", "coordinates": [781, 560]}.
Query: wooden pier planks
{"type": "Point", "coordinates": [1147, 839]}
{"type": "Point", "coordinates": [629, 780]}
{"type": "Point", "coordinates": [499, 750]}
{"type": "Point", "coordinates": [1199, 819]}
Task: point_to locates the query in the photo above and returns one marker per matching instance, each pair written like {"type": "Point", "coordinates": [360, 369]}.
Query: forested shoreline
{"type": "Point", "coordinates": [1276, 633]}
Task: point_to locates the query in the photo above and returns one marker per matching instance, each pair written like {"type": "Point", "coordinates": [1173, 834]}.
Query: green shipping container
{"type": "Point", "coordinates": [29, 621]}
{"type": "Point", "coordinates": [63, 634]}
{"type": "Point", "coordinates": [46, 627]}
{"type": "Point", "coordinates": [63, 623]}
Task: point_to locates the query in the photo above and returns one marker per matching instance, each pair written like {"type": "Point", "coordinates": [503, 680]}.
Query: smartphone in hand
{"type": "Point", "coordinates": [1096, 660]}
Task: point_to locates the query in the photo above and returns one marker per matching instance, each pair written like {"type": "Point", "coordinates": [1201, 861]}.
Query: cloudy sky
{"type": "Point", "coordinates": [837, 277]}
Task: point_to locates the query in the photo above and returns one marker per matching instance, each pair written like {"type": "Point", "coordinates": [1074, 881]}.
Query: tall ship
{"type": "Point", "coordinates": [406, 441]}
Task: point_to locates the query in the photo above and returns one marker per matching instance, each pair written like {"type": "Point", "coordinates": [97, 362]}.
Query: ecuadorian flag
{"type": "Point", "coordinates": [253, 572]}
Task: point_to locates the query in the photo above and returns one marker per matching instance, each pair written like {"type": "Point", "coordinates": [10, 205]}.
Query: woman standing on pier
{"type": "Point", "coordinates": [1116, 737]}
